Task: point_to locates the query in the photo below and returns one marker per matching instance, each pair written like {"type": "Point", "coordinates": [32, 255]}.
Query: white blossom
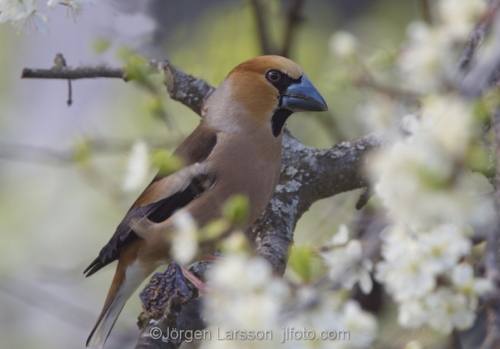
{"type": "Point", "coordinates": [447, 309]}
{"type": "Point", "coordinates": [412, 177]}
{"type": "Point", "coordinates": [413, 345]}
{"type": "Point", "coordinates": [362, 326]}
{"type": "Point", "coordinates": [422, 180]}
{"type": "Point", "coordinates": [426, 59]}
{"type": "Point", "coordinates": [410, 123]}
{"type": "Point", "coordinates": [448, 118]}
{"type": "Point", "coordinates": [463, 278]}
{"type": "Point", "coordinates": [377, 113]}
{"type": "Point", "coordinates": [442, 309]}
{"type": "Point", "coordinates": [245, 296]}
{"type": "Point", "coordinates": [343, 44]}
{"type": "Point", "coordinates": [412, 313]}
{"type": "Point", "coordinates": [138, 166]}
{"type": "Point", "coordinates": [185, 239]}
{"type": "Point", "coordinates": [346, 263]}
{"type": "Point", "coordinates": [22, 13]}
{"type": "Point", "coordinates": [458, 17]}
{"type": "Point", "coordinates": [328, 313]}
{"type": "Point", "coordinates": [402, 270]}
{"type": "Point", "coordinates": [443, 246]}
{"type": "Point", "coordinates": [75, 5]}
{"type": "Point", "coordinates": [413, 258]}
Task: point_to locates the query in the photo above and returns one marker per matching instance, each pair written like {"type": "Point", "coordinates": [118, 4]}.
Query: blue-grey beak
{"type": "Point", "coordinates": [303, 96]}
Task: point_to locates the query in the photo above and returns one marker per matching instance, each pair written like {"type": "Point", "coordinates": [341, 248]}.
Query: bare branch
{"type": "Point", "coordinates": [262, 29]}
{"type": "Point", "coordinates": [73, 73]}
{"type": "Point", "coordinates": [426, 10]}
{"type": "Point", "coordinates": [53, 157]}
{"type": "Point", "coordinates": [184, 88]}
{"type": "Point", "coordinates": [492, 268]}
{"type": "Point", "coordinates": [293, 21]}
{"type": "Point", "coordinates": [468, 54]}
{"type": "Point", "coordinates": [369, 82]}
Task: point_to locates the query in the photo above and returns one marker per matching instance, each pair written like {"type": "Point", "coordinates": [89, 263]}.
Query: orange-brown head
{"type": "Point", "coordinates": [262, 92]}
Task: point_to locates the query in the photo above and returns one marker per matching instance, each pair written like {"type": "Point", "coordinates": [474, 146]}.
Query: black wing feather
{"type": "Point", "coordinates": [156, 212]}
{"type": "Point", "coordinates": [195, 148]}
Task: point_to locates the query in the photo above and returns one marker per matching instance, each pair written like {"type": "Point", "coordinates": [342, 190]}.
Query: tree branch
{"type": "Point", "coordinates": [73, 73]}
{"type": "Point", "coordinates": [53, 157]}
{"type": "Point", "coordinates": [426, 10]}
{"type": "Point", "coordinates": [492, 268]}
{"type": "Point", "coordinates": [293, 20]}
{"type": "Point", "coordinates": [262, 28]}
{"type": "Point", "coordinates": [468, 54]}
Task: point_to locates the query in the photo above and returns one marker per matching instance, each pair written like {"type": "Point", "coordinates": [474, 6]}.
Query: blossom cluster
{"type": "Point", "coordinates": [422, 176]}
{"type": "Point", "coordinates": [346, 264]}
{"type": "Point", "coordinates": [422, 179]}
{"type": "Point", "coordinates": [246, 295]}
{"type": "Point", "coordinates": [25, 13]}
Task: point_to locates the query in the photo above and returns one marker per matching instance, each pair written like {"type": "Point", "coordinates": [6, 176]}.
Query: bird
{"type": "Point", "coordinates": [236, 149]}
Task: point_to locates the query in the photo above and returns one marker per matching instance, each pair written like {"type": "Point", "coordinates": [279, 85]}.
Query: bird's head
{"type": "Point", "coordinates": [262, 92]}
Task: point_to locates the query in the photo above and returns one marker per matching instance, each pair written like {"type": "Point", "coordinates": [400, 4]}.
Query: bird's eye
{"type": "Point", "coordinates": [273, 75]}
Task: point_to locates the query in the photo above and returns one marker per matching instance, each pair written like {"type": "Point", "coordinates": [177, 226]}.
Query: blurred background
{"type": "Point", "coordinates": [62, 168]}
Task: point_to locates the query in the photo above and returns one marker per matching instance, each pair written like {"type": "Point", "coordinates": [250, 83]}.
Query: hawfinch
{"type": "Point", "coordinates": [236, 149]}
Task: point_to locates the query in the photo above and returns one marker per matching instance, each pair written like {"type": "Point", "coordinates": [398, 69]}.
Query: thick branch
{"type": "Point", "coordinates": [184, 88]}
{"type": "Point", "coordinates": [307, 175]}
{"type": "Point", "coordinates": [492, 267]}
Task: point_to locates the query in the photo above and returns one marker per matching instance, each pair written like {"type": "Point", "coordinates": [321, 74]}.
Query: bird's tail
{"type": "Point", "coordinates": [127, 279]}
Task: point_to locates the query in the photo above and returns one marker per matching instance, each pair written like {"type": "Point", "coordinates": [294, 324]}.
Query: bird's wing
{"type": "Point", "coordinates": [164, 195]}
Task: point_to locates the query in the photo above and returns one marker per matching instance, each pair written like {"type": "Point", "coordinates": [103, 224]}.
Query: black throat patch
{"type": "Point", "coordinates": [278, 120]}
{"type": "Point", "coordinates": [281, 115]}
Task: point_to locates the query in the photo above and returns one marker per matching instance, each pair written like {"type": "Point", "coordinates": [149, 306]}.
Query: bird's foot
{"type": "Point", "coordinates": [202, 287]}
{"type": "Point", "coordinates": [213, 258]}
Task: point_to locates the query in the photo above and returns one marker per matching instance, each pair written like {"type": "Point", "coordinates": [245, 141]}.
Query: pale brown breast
{"type": "Point", "coordinates": [247, 164]}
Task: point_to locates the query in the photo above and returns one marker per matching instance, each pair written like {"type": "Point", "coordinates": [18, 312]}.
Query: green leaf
{"type": "Point", "coordinates": [137, 68]}
{"type": "Point", "coordinates": [101, 45]}
{"type": "Point", "coordinates": [236, 209]}
{"type": "Point", "coordinates": [157, 108]}
{"type": "Point", "coordinates": [303, 261]}
{"type": "Point", "coordinates": [81, 153]}
{"type": "Point", "coordinates": [478, 159]}
{"type": "Point", "coordinates": [432, 179]}
{"type": "Point", "coordinates": [214, 229]}
{"type": "Point", "coordinates": [166, 162]}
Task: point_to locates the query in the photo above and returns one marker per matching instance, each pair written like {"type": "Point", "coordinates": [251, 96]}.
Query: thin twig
{"type": "Point", "coordinates": [34, 154]}
{"type": "Point", "coordinates": [60, 64]}
{"type": "Point", "coordinates": [293, 21]}
{"type": "Point", "coordinates": [52, 157]}
{"type": "Point", "coordinates": [426, 11]}
{"type": "Point", "coordinates": [469, 52]}
{"type": "Point", "coordinates": [454, 341]}
{"type": "Point", "coordinates": [262, 28]}
{"type": "Point", "coordinates": [388, 90]}
{"type": "Point", "coordinates": [73, 73]}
